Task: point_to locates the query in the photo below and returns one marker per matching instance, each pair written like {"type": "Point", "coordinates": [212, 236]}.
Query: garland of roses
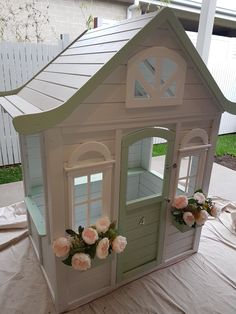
{"type": "Point", "coordinates": [80, 247]}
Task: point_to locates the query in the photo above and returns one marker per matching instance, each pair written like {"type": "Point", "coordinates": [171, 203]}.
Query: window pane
{"type": "Point", "coordinates": [171, 90]}
{"type": "Point", "coordinates": [145, 171]}
{"type": "Point", "coordinates": [168, 68]}
{"type": "Point", "coordinates": [80, 180]}
{"type": "Point", "coordinates": [80, 189]}
{"type": "Point", "coordinates": [139, 90]}
{"type": "Point", "coordinates": [96, 177]}
{"type": "Point", "coordinates": [183, 171]}
{"type": "Point", "coordinates": [95, 211]}
{"type": "Point", "coordinates": [193, 165]}
{"type": "Point", "coordinates": [96, 186]}
{"type": "Point", "coordinates": [80, 218]}
{"type": "Point", "coordinates": [148, 69]}
{"type": "Point", "coordinates": [87, 199]}
{"type": "Point", "coordinates": [188, 175]}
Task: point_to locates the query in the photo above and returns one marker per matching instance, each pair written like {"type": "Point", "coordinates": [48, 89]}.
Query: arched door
{"type": "Point", "coordinates": [144, 187]}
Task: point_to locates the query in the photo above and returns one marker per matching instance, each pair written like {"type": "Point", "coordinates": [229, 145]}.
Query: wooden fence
{"type": "Point", "coordinates": [19, 62]}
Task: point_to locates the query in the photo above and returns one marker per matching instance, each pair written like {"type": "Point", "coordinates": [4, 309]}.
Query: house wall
{"type": "Point", "coordinates": [67, 16]}
{"type": "Point", "coordinates": [105, 109]}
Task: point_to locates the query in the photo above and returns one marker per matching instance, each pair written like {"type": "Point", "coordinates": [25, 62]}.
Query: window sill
{"type": "Point", "coordinates": [36, 216]}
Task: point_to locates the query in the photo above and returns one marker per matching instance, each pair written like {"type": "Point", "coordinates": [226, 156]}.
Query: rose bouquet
{"type": "Point", "coordinates": [96, 240]}
{"type": "Point", "coordinates": [193, 211]}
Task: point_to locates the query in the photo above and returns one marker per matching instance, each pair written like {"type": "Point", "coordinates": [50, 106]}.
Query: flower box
{"type": "Point", "coordinates": [192, 212]}
{"type": "Point", "coordinates": [182, 227]}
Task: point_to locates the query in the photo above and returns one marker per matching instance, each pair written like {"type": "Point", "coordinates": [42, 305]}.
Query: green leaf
{"type": "Point", "coordinates": [80, 229]}
{"type": "Point", "coordinates": [112, 225]}
{"type": "Point", "coordinates": [71, 233]}
{"type": "Point", "coordinates": [198, 191]}
{"type": "Point", "coordinates": [176, 212]}
{"type": "Point", "coordinates": [67, 261]}
{"type": "Point", "coordinates": [191, 201]}
{"type": "Point", "coordinates": [91, 250]}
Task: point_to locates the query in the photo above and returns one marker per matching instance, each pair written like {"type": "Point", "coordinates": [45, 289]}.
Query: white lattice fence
{"type": "Point", "coordinates": [19, 62]}
{"type": "Point", "coordinates": [9, 141]}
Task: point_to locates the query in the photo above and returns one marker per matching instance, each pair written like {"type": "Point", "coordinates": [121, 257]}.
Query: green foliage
{"type": "Point", "coordinates": [159, 149]}
{"type": "Point", "coordinates": [226, 145]}
{"type": "Point", "coordinates": [90, 22]}
{"type": "Point", "coordinates": [10, 174]}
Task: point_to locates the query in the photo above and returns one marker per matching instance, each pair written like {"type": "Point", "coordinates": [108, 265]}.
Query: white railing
{"type": "Point", "coordinates": [19, 62]}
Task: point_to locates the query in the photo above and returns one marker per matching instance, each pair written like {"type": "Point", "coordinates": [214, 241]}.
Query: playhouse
{"type": "Point", "coordinates": [87, 124]}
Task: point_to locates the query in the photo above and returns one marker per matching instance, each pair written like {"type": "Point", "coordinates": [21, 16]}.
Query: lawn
{"type": "Point", "coordinates": [10, 174]}
{"type": "Point", "coordinates": [226, 145]}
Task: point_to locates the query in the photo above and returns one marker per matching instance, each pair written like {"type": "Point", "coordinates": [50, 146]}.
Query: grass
{"type": "Point", "coordinates": [226, 145]}
{"type": "Point", "coordinates": [159, 149]}
{"type": "Point", "coordinates": [10, 174]}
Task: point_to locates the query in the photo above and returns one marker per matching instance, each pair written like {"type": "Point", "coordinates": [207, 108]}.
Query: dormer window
{"type": "Point", "coordinates": [155, 77]}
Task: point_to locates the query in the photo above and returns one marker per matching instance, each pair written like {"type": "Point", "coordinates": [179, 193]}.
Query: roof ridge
{"type": "Point", "coordinates": [123, 22]}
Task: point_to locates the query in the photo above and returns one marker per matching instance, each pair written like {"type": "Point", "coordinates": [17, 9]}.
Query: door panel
{"type": "Point", "coordinates": [143, 190]}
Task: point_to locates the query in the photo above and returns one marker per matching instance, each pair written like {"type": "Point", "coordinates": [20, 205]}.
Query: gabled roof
{"type": "Point", "coordinates": [66, 82]}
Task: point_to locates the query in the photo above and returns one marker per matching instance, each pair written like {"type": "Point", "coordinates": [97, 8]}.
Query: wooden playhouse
{"type": "Point", "coordinates": [87, 123]}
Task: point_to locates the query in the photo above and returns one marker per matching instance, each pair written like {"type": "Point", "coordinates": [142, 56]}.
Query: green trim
{"type": "Point", "coordinates": [36, 216]}
{"type": "Point", "coordinates": [11, 92]}
{"type": "Point", "coordinates": [33, 123]}
{"type": "Point", "coordinates": [144, 201]}
{"type": "Point", "coordinates": [124, 208]}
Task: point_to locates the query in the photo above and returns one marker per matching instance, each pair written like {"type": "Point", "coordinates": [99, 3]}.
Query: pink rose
{"type": "Point", "coordinates": [215, 211]}
{"type": "Point", "coordinates": [102, 248]}
{"type": "Point", "coordinates": [188, 219]}
{"type": "Point", "coordinates": [102, 224]}
{"type": "Point", "coordinates": [202, 218]}
{"type": "Point", "coordinates": [81, 261]}
{"type": "Point", "coordinates": [180, 202]}
{"type": "Point", "coordinates": [199, 197]}
{"type": "Point", "coordinates": [90, 235]}
{"type": "Point", "coordinates": [119, 244]}
{"type": "Point", "coordinates": [61, 246]}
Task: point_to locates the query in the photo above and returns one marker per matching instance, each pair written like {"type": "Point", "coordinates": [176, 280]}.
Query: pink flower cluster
{"type": "Point", "coordinates": [90, 236]}
{"type": "Point", "coordinates": [196, 209]}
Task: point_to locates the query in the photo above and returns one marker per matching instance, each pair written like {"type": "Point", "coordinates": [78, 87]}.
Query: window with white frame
{"type": "Point", "coordinates": [87, 199]}
{"type": "Point", "coordinates": [155, 77]}
{"type": "Point", "coordinates": [191, 161]}
{"type": "Point", "coordinates": [89, 184]}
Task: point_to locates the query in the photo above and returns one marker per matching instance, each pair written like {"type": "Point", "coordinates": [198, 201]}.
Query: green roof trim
{"type": "Point", "coordinates": [33, 123]}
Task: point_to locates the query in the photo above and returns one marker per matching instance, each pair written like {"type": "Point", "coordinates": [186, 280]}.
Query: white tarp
{"type": "Point", "coordinates": [204, 283]}
{"type": "Point", "coordinates": [13, 224]}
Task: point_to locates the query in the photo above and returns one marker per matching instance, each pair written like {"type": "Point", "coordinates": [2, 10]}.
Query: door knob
{"type": "Point", "coordinates": [142, 221]}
